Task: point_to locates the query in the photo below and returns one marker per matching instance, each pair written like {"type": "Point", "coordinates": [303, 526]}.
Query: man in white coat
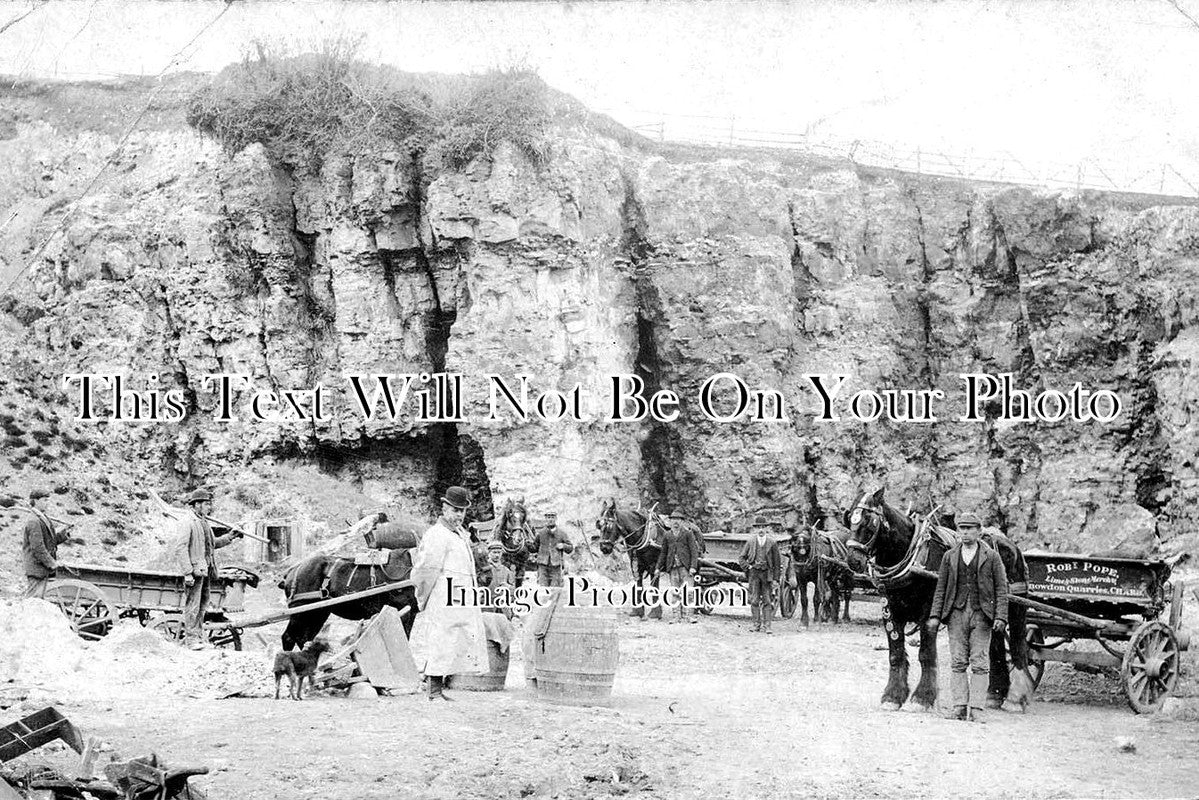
{"type": "Point", "coordinates": [448, 636]}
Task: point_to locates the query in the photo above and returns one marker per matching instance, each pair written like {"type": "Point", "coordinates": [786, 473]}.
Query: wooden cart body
{"type": "Point", "coordinates": [721, 563]}
{"type": "Point", "coordinates": [1116, 602]}
{"type": "Point", "coordinates": [94, 597]}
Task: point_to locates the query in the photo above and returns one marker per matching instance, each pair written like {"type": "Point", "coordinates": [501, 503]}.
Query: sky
{"type": "Point", "coordinates": [1033, 86]}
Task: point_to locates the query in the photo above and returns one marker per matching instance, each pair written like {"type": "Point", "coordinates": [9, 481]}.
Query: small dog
{"type": "Point", "coordinates": [297, 665]}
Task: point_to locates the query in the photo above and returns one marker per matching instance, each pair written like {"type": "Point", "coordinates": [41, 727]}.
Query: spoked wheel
{"type": "Point", "coordinates": [1036, 665]}
{"type": "Point", "coordinates": [86, 606]}
{"type": "Point", "coordinates": [171, 626]}
{"type": "Point", "coordinates": [1150, 668]}
{"type": "Point", "coordinates": [788, 599]}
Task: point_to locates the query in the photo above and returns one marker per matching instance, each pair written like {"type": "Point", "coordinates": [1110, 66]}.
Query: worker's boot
{"type": "Point", "coordinates": [756, 613]}
{"type": "Point", "coordinates": [767, 615]}
{"type": "Point", "coordinates": [437, 688]}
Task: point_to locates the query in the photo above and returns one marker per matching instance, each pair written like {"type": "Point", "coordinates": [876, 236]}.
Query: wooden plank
{"type": "Point", "coordinates": [279, 616]}
{"type": "Point", "coordinates": [382, 653]}
{"type": "Point", "coordinates": [1061, 613]}
{"type": "Point", "coordinates": [1095, 658]}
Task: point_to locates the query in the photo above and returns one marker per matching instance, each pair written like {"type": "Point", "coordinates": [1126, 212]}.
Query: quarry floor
{"type": "Point", "coordinates": [704, 710]}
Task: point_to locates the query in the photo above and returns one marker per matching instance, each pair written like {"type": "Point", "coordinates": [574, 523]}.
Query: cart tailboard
{"type": "Point", "coordinates": [1075, 577]}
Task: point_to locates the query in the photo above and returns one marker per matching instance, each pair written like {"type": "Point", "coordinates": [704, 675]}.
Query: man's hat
{"type": "Point", "coordinates": [676, 514]}
{"type": "Point", "coordinates": [495, 544]}
{"type": "Point", "coordinates": [457, 497]}
{"type": "Point", "coordinates": [551, 515]}
{"type": "Point", "coordinates": [197, 496]}
{"type": "Point", "coordinates": [761, 522]}
{"type": "Point", "coordinates": [967, 519]}
{"type": "Point", "coordinates": [37, 494]}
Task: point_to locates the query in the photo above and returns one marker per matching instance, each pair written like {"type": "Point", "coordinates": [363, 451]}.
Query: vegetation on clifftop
{"type": "Point", "coordinates": [302, 107]}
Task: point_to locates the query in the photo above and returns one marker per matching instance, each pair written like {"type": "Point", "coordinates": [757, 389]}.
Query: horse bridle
{"type": "Point", "coordinates": [883, 525]}
{"type": "Point", "coordinates": [524, 531]}
{"type": "Point", "coordinates": [610, 521]}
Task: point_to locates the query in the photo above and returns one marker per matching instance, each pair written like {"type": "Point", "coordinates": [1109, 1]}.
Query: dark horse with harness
{"type": "Point", "coordinates": [904, 561]}
{"type": "Point", "coordinates": [821, 559]}
{"type": "Point", "coordinates": [637, 532]}
{"type": "Point", "coordinates": [517, 536]}
{"type": "Point", "coordinates": [321, 577]}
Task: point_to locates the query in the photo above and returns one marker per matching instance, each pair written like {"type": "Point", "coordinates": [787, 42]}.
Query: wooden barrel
{"type": "Point", "coordinates": [491, 681]}
{"type": "Point", "coordinates": [576, 659]}
{"type": "Point", "coordinates": [533, 623]}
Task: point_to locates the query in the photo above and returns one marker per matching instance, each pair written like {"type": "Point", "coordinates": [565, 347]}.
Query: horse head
{"type": "Point", "coordinates": [801, 545]}
{"type": "Point", "coordinates": [876, 529]}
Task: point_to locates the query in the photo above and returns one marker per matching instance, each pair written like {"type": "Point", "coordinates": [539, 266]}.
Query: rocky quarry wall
{"type": "Point", "coordinates": [612, 256]}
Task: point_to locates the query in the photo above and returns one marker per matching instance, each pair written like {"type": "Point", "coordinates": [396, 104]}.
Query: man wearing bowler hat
{"type": "Point", "coordinates": [40, 547]}
{"type": "Point", "coordinates": [448, 637]}
{"type": "Point", "coordinates": [202, 545]}
{"type": "Point", "coordinates": [763, 567]}
{"type": "Point", "coordinates": [972, 594]}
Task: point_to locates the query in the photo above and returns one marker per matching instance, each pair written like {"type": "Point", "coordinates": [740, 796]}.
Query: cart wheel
{"type": "Point", "coordinates": [225, 637]}
{"type": "Point", "coordinates": [788, 599]}
{"type": "Point", "coordinates": [1150, 668]}
{"type": "Point", "coordinates": [86, 606]}
{"type": "Point", "coordinates": [170, 626]}
{"type": "Point", "coordinates": [1036, 666]}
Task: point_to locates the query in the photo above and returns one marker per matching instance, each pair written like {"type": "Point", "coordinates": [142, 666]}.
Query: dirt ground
{"type": "Point", "coordinates": [704, 710]}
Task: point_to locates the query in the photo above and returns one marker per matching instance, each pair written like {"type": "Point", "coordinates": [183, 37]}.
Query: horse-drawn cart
{"type": "Point", "coordinates": [1116, 602]}
{"type": "Point", "coordinates": [94, 598]}
{"type": "Point", "coordinates": [721, 563]}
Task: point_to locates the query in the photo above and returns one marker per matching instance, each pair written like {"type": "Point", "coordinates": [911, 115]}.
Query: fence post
{"type": "Point", "coordinates": [732, 125]}
{"type": "Point", "coordinates": [1078, 185]}
{"type": "Point", "coordinates": [918, 170]}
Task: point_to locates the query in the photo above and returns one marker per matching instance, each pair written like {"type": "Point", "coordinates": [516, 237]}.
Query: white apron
{"type": "Point", "coordinates": [447, 639]}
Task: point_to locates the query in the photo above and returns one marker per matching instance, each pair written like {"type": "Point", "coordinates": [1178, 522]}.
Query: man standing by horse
{"type": "Point", "coordinates": [972, 594]}
{"type": "Point", "coordinates": [448, 637]}
{"type": "Point", "coordinates": [763, 566]}
{"type": "Point", "coordinates": [678, 560]}
{"type": "Point", "coordinates": [202, 545]}
{"type": "Point", "coordinates": [39, 547]}
{"type": "Point", "coordinates": [552, 545]}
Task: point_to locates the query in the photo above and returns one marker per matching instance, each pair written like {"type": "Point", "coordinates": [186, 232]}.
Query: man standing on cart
{"type": "Point", "coordinates": [202, 545]}
{"type": "Point", "coordinates": [972, 594]}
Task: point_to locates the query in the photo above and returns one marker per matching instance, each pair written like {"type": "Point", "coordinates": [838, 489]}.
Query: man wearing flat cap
{"type": "Point", "coordinates": [763, 567]}
{"type": "Point", "coordinates": [448, 637]}
{"type": "Point", "coordinates": [972, 595]}
{"type": "Point", "coordinates": [678, 559]}
{"type": "Point", "coordinates": [551, 547]}
{"type": "Point", "coordinates": [202, 545]}
{"type": "Point", "coordinates": [40, 547]}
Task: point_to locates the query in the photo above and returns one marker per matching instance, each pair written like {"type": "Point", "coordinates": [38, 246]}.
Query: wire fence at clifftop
{"type": "Point", "coordinates": [1003, 167]}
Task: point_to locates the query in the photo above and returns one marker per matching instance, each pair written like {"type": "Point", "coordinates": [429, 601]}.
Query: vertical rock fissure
{"type": "Point", "coordinates": [459, 458]}
{"type": "Point", "coordinates": [659, 447]}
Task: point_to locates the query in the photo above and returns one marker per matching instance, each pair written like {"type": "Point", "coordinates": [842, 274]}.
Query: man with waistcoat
{"type": "Point", "coordinates": [972, 596]}
{"type": "Point", "coordinates": [201, 547]}
{"type": "Point", "coordinates": [678, 560]}
{"type": "Point", "coordinates": [552, 545]}
{"type": "Point", "coordinates": [763, 567]}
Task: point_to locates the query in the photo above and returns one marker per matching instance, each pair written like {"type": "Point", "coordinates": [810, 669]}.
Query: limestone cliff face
{"type": "Point", "coordinates": [610, 258]}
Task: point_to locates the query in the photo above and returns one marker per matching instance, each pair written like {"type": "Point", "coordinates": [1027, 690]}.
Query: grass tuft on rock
{"type": "Point", "coordinates": [303, 107]}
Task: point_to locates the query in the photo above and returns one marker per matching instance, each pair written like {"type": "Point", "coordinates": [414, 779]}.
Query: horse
{"type": "Point", "coordinates": [321, 577]}
{"type": "Point", "coordinates": [817, 557]}
{"type": "Point", "coordinates": [514, 532]}
{"type": "Point", "coordinates": [887, 537]}
{"type": "Point", "coordinates": [640, 534]}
